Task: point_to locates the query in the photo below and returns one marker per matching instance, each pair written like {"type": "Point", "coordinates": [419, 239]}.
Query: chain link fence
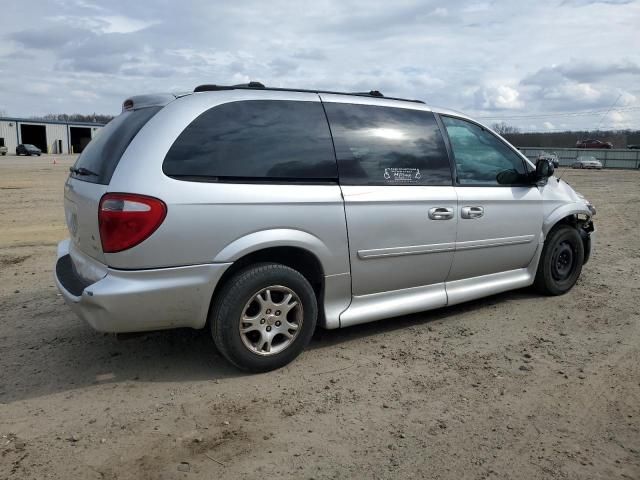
{"type": "Point", "coordinates": [610, 158]}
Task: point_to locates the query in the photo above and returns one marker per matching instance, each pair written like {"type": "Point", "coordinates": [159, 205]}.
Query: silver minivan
{"type": "Point", "coordinates": [261, 213]}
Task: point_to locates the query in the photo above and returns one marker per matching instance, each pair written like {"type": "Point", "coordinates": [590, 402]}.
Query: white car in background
{"type": "Point", "coordinates": [587, 162]}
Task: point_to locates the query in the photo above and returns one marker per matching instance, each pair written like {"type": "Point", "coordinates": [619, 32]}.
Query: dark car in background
{"type": "Point", "coordinates": [550, 157]}
{"type": "Point", "coordinates": [593, 144]}
{"type": "Point", "coordinates": [28, 149]}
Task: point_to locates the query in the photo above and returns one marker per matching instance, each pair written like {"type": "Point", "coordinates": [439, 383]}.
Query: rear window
{"type": "Point", "coordinates": [103, 152]}
{"type": "Point", "coordinates": [255, 140]}
{"type": "Point", "coordinates": [388, 146]}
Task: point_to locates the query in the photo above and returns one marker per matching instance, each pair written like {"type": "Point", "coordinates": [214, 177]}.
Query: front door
{"type": "Point", "coordinates": [500, 215]}
{"type": "Point", "coordinates": [400, 203]}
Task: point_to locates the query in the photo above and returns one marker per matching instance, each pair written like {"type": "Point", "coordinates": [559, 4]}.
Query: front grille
{"type": "Point", "coordinates": [69, 279]}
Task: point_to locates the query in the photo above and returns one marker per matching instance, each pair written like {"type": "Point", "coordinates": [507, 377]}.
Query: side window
{"type": "Point", "coordinates": [1, 142]}
{"type": "Point", "coordinates": [387, 146]}
{"type": "Point", "coordinates": [261, 139]}
{"type": "Point", "coordinates": [481, 157]}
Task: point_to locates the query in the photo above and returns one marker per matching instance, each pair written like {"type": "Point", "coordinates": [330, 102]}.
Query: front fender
{"type": "Point", "coordinates": [575, 208]}
{"type": "Point", "coordinates": [281, 237]}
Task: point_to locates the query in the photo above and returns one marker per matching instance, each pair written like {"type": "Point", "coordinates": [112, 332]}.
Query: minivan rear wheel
{"type": "Point", "coordinates": [264, 317]}
{"type": "Point", "coordinates": [561, 261]}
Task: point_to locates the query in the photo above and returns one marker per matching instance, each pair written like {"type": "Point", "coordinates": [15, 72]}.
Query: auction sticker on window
{"type": "Point", "coordinates": [402, 175]}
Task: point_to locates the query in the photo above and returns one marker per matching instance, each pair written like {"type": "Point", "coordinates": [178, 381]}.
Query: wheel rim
{"type": "Point", "coordinates": [271, 320]}
{"type": "Point", "coordinates": [563, 261]}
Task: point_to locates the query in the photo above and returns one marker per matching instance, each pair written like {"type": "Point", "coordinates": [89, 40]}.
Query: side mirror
{"type": "Point", "coordinates": [544, 169]}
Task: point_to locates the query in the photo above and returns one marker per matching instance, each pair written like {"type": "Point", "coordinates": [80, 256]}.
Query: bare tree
{"type": "Point", "coordinates": [503, 129]}
{"type": "Point", "coordinates": [3, 113]}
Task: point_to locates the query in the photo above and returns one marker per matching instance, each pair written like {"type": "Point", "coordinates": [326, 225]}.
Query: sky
{"type": "Point", "coordinates": [542, 65]}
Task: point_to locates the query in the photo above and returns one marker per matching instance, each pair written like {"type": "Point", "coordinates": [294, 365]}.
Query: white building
{"type": "Point", "coordinates": [48, 136]}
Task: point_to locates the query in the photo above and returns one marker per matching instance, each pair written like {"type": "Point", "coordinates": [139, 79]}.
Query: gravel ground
{"type": "Point", "coordinates": [512, 386]}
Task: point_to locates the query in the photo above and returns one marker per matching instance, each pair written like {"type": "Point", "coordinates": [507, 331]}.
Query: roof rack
{"type": "Point", "coordinates": [260, 86]}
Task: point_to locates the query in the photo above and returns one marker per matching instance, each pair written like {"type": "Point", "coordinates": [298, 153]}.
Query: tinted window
{"type": "Point", "coordinates": [255, 139]}
{"type": "Point", "coordinates": [481, 157]}
{"type": "Point", "coordinates": [387, 146]}
{"type": "Point", "coordinates": [1, 142]}
{"type": "Point", "coordinates": [103, 152]}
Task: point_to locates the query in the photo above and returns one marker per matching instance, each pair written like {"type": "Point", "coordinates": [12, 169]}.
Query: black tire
{"type": "Point", "coordinates": [228, 308]}
{"type": "Point", "coordinates": [561, 261]}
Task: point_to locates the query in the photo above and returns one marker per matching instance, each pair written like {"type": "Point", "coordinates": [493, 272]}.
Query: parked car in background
{"type": "Point", "coordinates": [28, 149]}
{"type": "Point", "coordinates": [593, 144]}
{"type": "Point", "coordinates": [634, 147]}
{"type": "Point", "coordinates": [587, 162]}
{"type": "Point", "coordinates": [262, 213]}
{"type": "Point", "coordinates": [3, 150]}
{"type": "Point", "coordinates": [551, 157]}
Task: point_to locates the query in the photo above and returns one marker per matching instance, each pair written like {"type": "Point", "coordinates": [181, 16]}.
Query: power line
{"type": "Point", "coordinates": [616, 128]}
{"type": "Point", "coordinates": [612, 105]}
{"type": "Point", "coordinates": [564, 114]}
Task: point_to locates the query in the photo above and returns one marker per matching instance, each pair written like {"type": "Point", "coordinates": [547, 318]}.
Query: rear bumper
{"type": "Point", "coordinates": [139, 300]}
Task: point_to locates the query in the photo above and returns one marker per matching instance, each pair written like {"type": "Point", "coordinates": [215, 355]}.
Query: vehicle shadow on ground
{"type": "Point", "coordinates": [76, 357]}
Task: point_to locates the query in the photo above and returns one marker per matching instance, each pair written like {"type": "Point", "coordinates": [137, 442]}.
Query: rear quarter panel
{"type": "Point", "coordinates": [214, 222]}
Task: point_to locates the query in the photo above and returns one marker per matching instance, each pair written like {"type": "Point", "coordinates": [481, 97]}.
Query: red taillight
{"type": "Point", "coordinates": [126, 220]}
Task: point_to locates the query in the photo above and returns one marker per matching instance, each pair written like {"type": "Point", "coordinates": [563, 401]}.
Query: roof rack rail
{"type": "Point", "coordinates": [374, 93]}
{"type": "Point", "coordinates": [260, 86]}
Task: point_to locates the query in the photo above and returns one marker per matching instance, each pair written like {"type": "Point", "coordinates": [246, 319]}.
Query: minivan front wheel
{"type": "Point", "coordinates": [561, 261]}
{"type": "Point", "coordinates": [263, 317]}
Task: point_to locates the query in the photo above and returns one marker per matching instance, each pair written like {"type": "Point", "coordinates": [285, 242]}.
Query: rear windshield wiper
{"type": "Point", "coordinates": [82, 171]}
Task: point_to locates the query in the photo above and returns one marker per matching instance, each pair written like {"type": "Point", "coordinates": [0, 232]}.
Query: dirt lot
{"type": "Point", "coordinates": [513, 386]}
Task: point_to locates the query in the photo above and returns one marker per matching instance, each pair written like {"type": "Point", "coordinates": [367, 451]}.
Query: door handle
{"type": "Point", "coordinates": [441, 213]}
{"type": "Point", "coordinates": [471, 212]}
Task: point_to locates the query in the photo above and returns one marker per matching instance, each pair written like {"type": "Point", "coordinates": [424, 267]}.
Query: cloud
{"type": "Point", "coordinates": [439, 12]}
{"type": "Point", "coordinates": [579, 85]}
{"type": "Point", "coordinates": [486, 58]}
{"type": "Point", "coordinates": [122, 24]}
{"type": "Point", "coordinates": [309, 54]}
{"type": "Point", "coordinates": [582, 3]}
{"type": "Point", "coordinates": [582, 71]}
{"type": "Point", "coordinates": [477, 7]}
{"type": "Point", "coordinates": [104, 23]}
{"type": "Point", "coordinates": [46, 38]}
{"type": "Point", "coordinates": [500, 97]}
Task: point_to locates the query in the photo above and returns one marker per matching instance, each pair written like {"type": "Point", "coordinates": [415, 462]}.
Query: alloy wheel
{"type": "Point", "coordinates": [271, 320]}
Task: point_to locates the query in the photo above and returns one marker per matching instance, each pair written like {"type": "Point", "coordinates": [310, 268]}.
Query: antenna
{"type": "Point", "coordinates": [562, 175]}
